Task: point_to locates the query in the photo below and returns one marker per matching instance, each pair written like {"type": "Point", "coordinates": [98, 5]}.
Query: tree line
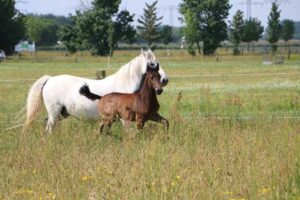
{"type": "Point", "coordinates": [102, 27]}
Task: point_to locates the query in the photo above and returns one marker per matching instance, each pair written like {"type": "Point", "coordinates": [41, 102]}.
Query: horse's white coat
{"type": "Point", "coordinates": [63, 90]}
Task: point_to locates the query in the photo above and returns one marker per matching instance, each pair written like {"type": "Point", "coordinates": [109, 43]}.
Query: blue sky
{"type": "Point", "coordinates": [60, 7]}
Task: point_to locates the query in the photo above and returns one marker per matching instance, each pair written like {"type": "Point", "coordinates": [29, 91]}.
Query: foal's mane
{"type": "Point", "coordinates": [142, 82]}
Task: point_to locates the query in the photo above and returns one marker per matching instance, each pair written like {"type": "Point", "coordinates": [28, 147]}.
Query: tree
{"type": "Point", "coordinates": [166, 34]}
{"type": "Point", "coordinates": [288, 30]}
{"type": "Point", "coordinates": [192, 32]}
{"type": "Point", "coordinates": [70, 36]}
{"type": "Point", "coordinates": [252, 31]}
{"type": "Point", "coordinates": [41, 30]}
{"type": "Point", "coordinates": [274, 27]}
{"type": "Point", "coordinates": [12, 28]}
{"type": "Point", "coordinates": [111, 38]}
{"type": "Point", "coordinates": [236, 31]}
{"type": "Point", "coordinates": [96, 30]}
{"type": "Point", "coordinates": [205, 21]}
{"type": "Point", "coordinates": [121, 30]}
{"type": "Point", "coordinates": [124, 30]}
{"type": "Point", "coordinates": [149, 24]}
{"type": "Point", "coordinates": [93, 26]}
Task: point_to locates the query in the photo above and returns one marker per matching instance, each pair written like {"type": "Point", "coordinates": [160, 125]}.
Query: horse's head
{"type": "Point", "coordinates": [148, 58]}
{"type": "Point", "coordinates": [153, 77]}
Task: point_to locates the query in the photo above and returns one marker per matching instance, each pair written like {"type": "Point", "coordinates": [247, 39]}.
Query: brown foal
{"type": "Point", "coordinates": [139, 106]}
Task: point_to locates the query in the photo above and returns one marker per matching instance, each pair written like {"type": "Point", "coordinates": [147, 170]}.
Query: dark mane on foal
{"type": "Point", "coordinates": [144, 77]}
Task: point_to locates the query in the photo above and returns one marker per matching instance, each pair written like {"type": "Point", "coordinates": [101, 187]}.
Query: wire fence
{"type": "Point", "coordinates": [186, 76]}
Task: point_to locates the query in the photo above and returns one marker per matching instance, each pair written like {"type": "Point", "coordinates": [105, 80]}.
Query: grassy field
{"type": "Point", "coordinates": [234, 135]}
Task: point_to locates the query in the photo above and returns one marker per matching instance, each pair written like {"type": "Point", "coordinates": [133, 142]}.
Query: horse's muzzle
{"type": "Point", "coordinates": [159, 91]}
{"type": "Point", "coordinates": [165, 81]}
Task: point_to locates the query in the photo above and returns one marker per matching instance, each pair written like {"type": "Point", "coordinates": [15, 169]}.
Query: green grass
{"type": "Point", "coordinates": [232, 136]}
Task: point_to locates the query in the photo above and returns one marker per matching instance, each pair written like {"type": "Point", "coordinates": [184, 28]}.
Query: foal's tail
{"type": "Point", "coordinates": [34, 99]}
{"type": "Point", "coordinates": [85, 91]}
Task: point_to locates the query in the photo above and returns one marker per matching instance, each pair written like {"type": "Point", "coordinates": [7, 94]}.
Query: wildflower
{"type": "Point", "coordinates": [177, 177]}
{"type": "Point", "coordinates": [51, 195]}
{"type": "Point", "coordinates": [24, 191]}
{"type": "Point", "coordinates": [110, 172]}
{"type": "Point", "coordinates": [86, 178]}
{"type": "Point", "coordinates": [228, 193]}
{"type": "Point", "coordinates": [34, 171]}
{"type": "Point", "coordinates": [173, 183]}
{"type": "Point", "coordinates": [263, 191]}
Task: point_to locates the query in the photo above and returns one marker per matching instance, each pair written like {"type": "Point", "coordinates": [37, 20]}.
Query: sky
{"type": "Point", "coordinates": [60, 7]}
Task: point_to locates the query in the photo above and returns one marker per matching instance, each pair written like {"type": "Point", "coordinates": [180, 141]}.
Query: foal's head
{"type": "Point", "coordinates": [153, 77]}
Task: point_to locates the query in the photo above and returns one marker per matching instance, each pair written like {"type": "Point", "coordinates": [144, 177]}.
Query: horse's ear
{"type": "Point", "coordinates": [143, 52]}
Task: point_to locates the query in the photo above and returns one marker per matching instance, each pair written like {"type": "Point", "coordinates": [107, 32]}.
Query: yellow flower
{"type": "Point", "coordinates": [263, 191]}
{"type": "Point", "coordinates": [173, 183]}
{"type": "Point", "coordinates": [110, 173]}
{"type": "Point", "coordinates": [177, 177]}
{"type": "Point", "coordinates": [51, 195]}
{"type": "Point", "coordinates": [228, 193]}
{"type": "Point", "coordinates": [24, 191]}
{"type": "Point", "coordinates": [86, 178]}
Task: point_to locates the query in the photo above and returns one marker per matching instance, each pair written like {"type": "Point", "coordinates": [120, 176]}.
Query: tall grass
{"type": "Point", "coordinates": [225, 140]}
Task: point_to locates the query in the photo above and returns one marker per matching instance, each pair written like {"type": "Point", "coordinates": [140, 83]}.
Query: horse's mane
{"type": "Point", "coordinates": [142, 82]}
{"type": "Point", "coordinates": [127, 68]}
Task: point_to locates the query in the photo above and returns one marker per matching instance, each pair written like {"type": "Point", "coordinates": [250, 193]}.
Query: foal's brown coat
{"type": "Point", "coordinates": [139, 106]}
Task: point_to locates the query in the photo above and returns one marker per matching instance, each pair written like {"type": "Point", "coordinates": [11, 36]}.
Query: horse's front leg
{"type": "Point", "coordinates": [158, 118]}
{"type": "Point", "coordinates": [140, 121]}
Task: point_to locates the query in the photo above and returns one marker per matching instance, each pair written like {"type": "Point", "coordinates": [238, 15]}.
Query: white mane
{"type": "Point", "coordinates": [131, 73]}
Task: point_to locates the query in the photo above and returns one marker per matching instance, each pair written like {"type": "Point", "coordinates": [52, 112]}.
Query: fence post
{"type": "Point", "coordinates": [100, 74]}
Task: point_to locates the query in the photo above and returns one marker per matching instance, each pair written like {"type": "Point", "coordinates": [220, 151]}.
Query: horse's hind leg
{"type": "Point", "coordinates": [53, 116]}
{"type": "Point", "coordinates": [63, 113]}
{"type": "Point", "coordinates": [105, 123]}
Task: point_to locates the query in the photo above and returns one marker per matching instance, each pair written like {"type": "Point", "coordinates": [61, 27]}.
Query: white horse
{"type": "Point", "coordinates": [61, 93]}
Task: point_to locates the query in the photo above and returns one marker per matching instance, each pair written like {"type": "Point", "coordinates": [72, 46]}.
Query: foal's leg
{"type": "Point", "coordinates": [106, 122]}
{"type": "Point", "coordinates": [140, 120]}
{"type": "Point", "coordinates": [158, 118]}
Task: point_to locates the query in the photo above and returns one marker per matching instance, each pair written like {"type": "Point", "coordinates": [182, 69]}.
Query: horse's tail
{"type": "Point", "coordinates": [85, 91]}
{"type": "Point", "coordinates": [34, 99]}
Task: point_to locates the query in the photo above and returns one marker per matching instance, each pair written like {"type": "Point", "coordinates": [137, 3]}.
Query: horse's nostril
{"type": "Point", "coordinates": [159, 91]}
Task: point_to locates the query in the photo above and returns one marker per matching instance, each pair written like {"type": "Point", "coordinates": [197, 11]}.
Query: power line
{"type": "Point", "coordinates": [249, 4]}
{"type": "Point", "coordinates": [170, 9]}
{"type": "Point", "coordinates": [278, 2]}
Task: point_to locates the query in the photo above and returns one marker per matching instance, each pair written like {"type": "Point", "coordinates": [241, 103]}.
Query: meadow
{"type": "Point", "coordinates": [234, 134]}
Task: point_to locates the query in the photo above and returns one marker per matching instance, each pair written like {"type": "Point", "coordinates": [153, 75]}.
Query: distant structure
{"type": "Point", "coordinates": [25, 46]}
{"type": "Point", "coordinates": [249, 4]}
{"type": "Point", "coordinates": [170, 9]}
{"type": "Point", "coordinates": [278, 2]}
